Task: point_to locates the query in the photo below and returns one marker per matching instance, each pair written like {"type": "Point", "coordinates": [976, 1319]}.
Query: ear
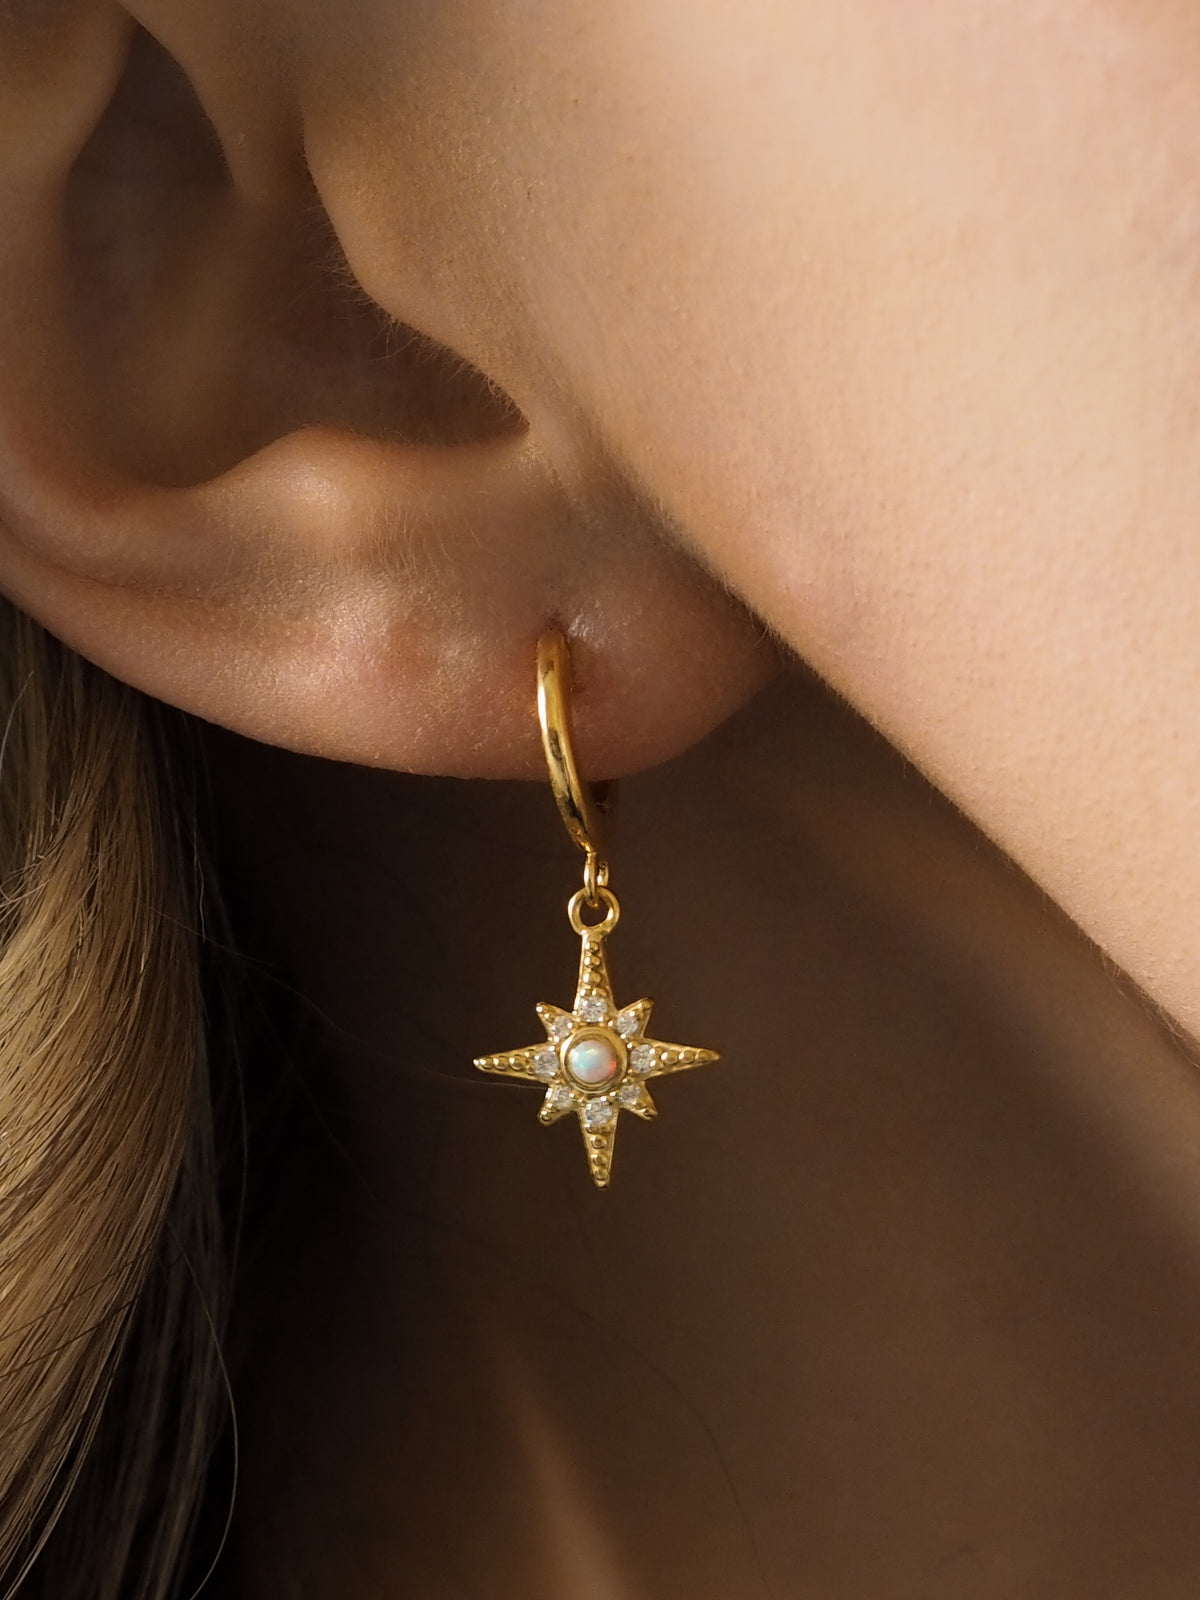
{"type": "Point", "coordinates": [231, 480]}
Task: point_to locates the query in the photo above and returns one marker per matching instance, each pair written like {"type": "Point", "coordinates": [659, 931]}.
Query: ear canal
{"type": "Point", "coordinates": [209, 324]}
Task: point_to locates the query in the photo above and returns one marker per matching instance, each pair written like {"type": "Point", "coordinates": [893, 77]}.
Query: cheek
{"type": "Point", "coordinates": [803, 269]}
{"type": "Point", "coordinates": [874, 267]}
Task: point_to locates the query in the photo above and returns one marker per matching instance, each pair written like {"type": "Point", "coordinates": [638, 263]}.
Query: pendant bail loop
{"type": "Point", "coordinates": [595, 878]}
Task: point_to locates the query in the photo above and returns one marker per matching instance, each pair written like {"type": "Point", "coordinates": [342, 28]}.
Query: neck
{"type": "Point", "coordinates": [835, 1322]}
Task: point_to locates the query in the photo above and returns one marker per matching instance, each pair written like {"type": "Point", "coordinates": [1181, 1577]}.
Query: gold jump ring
{"type": "Point", "coordinates": [605, 898]}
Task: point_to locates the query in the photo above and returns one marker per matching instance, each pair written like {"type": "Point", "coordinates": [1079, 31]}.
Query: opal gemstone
{"type": "Point", "coordinates": [592, 1061]}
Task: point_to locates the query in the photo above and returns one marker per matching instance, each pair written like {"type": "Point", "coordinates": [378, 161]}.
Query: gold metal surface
{"type": "Point", "coordinates": [575, 801]}
{"type": "Point", "coordinates": [615, 1037]}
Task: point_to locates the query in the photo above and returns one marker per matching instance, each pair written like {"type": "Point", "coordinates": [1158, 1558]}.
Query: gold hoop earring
{"type": "Point", "coordinates": [596, 1059]}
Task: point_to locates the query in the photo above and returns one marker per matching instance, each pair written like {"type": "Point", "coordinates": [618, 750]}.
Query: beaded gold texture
{"type": "Point", "coordinates": [596, 1059]}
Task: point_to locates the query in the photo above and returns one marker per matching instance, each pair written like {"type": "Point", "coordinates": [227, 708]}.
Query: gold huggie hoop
{"type": "Point", "coordinates": [579, 809]}
{"type": "Point", "coordinates": [596, 1060]}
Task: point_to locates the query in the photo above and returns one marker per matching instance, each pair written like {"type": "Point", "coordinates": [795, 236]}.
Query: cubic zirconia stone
{"type": "Point", "coordinates": [598, 1113]}
{"type": "Point", "coordinates": [630, 1094]}
{"type": "Point", "coordinates": [627, 1024]}
{"type": "Point", "coordinates": [560, 1027]}
{"type": "Point", "coordinates": [561, 1098]}
{"type": "Point", "coordinates": [545, 1063]}
{"type": "Point", "coordinates": [643, 1058]}
{"type": "Point", "coordinates": [594, 1008]}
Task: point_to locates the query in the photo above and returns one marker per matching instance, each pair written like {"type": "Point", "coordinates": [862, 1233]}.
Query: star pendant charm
{"type": "Point", "coordinates": [596, 1060]}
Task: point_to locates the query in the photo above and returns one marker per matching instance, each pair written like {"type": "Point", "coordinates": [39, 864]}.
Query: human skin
{"type": "Point", "coordinates": [894, 308]}
{"type": "Point", "coordinates": [886, 312]}
{"type": "Point", "coordinates": [898, 1299]}
{"type": "Point", "coordinates": [874, 324]}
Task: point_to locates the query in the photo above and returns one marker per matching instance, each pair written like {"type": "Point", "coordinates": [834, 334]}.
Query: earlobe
{"type": "Point", "coordinates": [230, 480]}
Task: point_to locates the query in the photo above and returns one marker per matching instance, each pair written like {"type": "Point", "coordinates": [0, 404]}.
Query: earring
{"type": "Point", "coordinates": [596, 1060]}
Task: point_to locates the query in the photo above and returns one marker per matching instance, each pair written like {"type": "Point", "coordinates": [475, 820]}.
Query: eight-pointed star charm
{"type": "Point", "coordinates": [596, 1060]}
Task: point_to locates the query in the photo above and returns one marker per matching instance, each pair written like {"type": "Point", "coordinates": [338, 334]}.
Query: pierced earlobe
{"type": "Point", "coordinates": [231, 479]}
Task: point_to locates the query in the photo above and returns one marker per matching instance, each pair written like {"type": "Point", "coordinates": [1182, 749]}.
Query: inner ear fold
{"type": "Point", "coordinates": [228, 478]}
{"type": "Point", "coordinates": [207, 323]}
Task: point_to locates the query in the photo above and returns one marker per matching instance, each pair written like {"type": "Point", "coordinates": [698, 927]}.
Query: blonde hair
{"type": "Point", "coordinates": [109, 1248]}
